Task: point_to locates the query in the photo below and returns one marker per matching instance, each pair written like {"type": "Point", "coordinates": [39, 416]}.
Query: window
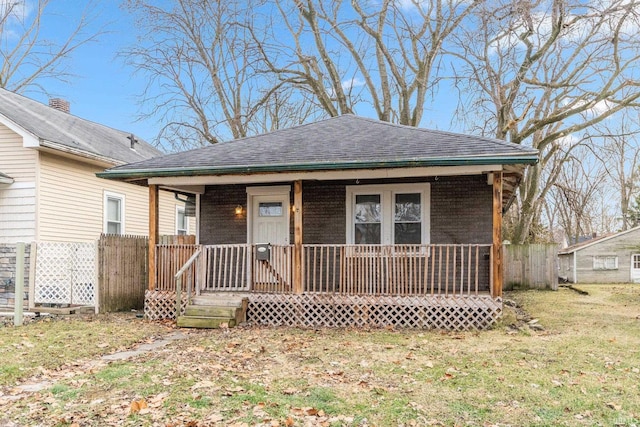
{"type": "Point", "coordinates": [605, 262]}
{"type": "Point", "coordinates": [181, 221]}
{"type": "Point", "coordinates": [388, 214]}
{"type": "Point", "coordinates": [113, 213]}
{"type": "Point", "coordinates": [270, 209]}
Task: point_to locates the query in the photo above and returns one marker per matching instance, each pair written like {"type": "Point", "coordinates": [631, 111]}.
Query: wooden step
{"type": "Point", "coordinates": [219, 300]}
{"type": "Point", "coordinates": [211, 311]}
{"type": "Point", "coordinates": [204, 322]}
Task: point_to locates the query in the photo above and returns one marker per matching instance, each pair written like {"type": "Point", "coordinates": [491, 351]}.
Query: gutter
{"type": "Point", "coordinates": [234, 170]}
{"type": "Point", "coordinates": [103, 160]}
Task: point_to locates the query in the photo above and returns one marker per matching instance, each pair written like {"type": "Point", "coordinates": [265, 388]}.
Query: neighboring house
{"type": "Point", "coordinates": [346, 221]}
{"type": "Point", "coordinates": [48, 188]}
{"type": "Point", "coordinates": [613, 258]}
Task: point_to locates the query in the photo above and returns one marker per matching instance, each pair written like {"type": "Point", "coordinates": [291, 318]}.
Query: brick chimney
{"type": "Point", "coordinates": [60, 104]}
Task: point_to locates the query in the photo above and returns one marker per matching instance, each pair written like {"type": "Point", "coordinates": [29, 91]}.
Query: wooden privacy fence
{"type": "Point", "coordinates": [122, 272]}
{"type": "Point", "coordinates": [533, 266]}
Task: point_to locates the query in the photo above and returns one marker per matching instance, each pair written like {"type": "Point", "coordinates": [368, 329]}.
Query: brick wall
{"type": "Point", "coordinates": [461, 211]}
{"type": "Point", "coordinates": [8, 273]}
{"type": "Point", "coordinates": [219, 223]}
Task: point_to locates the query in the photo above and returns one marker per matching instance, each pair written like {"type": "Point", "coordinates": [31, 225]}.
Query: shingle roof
{"type": "Point", "coordinates": [344, 142]}
{"type": "Point", "coordinates": [588, 243]}
{"type": "Point", "coordinates": [50, 125]}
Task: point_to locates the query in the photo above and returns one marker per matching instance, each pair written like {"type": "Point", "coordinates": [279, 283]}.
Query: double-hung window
{"type": "Point", "coordinates": [181, 221]}
{"type": "Point", "coordinates": [113, 213]}
{"type": "Point", "coordinates": [388, 214]}
{"type": "Point", "coordinates": [605, 262]}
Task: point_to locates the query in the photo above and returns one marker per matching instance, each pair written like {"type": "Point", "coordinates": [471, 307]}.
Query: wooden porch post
{"type": "Point", "coordinates": [497, 258]}
{"type": "Point", "coordinates": [154, 212]}
{"type": "Point", "coordinates": [297, 237]}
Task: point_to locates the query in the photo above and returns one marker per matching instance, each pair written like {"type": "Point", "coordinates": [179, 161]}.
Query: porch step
{"type": "Point", "coordinates": [211, 311]}
{"type": "Point", "coordinates": [220, 300]}
{"type": "Point", "coordinates": [204, 322]}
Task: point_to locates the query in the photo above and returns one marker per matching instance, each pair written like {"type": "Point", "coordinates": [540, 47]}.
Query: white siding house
{"type": "Point", "coordinates": [48, 185]}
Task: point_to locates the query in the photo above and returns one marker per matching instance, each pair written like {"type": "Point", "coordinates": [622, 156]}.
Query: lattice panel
{"type": "Point", "coordinates": [434, 312]}
{"type": "Point", "coordinates": [162, 305]}
{"type": "Point", "coordinates": [65, 273]}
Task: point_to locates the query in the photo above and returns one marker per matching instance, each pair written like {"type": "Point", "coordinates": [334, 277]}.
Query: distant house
{"type": "Point", "coordinates": [614, 258]}
{"type": "Point", "coordinates": [48, 187]}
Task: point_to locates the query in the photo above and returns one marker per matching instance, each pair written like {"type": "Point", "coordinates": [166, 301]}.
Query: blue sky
{"type": "Point", "coordinates": [103, 89]}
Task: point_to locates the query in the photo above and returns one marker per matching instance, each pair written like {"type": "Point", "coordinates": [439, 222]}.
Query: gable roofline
{"type": "Point", "coordinates": [42, 126]}
{"type": "Point", "coordinates": [580, 246]}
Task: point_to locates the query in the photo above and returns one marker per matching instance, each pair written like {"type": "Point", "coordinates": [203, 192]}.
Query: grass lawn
{"type": "Point", "coordinates": [581, 369]}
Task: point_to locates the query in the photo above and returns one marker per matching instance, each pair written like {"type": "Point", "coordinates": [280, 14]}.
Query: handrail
{"type": "Point", "coordinates": [178, 278]}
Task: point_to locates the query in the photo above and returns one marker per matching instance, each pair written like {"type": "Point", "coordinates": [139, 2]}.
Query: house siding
{"type": "Point", "coordinates": [17, 200]}
{"type": "Point", "coordinates": [71, 201]}
{"type": "Point", "coordinates": [622, 246]}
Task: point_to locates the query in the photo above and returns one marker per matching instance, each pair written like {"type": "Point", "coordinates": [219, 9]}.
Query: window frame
{"type": "Point", "coordinates": [387, 194]}
{"type": "Point", "coordinates": [105, 208]}
{"type": "Point", "coordinates": [600, 262]}
{"type": "Point", "coordinates": [178, 230]}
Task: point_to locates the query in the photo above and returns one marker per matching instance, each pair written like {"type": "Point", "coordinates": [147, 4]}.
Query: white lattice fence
{"type": "Point", "coordinates": [433, 312]}
{"type": "Point", "coordinates": [162, 305]}
{"type": "Point", "coordinates": [65, 273]}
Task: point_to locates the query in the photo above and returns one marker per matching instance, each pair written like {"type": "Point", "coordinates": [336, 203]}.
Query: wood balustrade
{"type": "Point", "coordinates": [398, 270]}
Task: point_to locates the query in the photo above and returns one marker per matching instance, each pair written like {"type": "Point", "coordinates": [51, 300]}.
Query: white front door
{"type": "Point", "coordinates": [270, 219]}
{"type": "Point", "coordinates": [635, 268]}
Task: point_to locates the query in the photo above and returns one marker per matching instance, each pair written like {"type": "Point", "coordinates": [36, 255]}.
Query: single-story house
{"type": "Point", "coordinates": [345, 221]}
{"type": "Point", "coordinates": [613, 258]}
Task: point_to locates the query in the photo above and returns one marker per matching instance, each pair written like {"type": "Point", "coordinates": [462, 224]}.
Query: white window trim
{"type": "Point", "coordinates": [604, 262]}
{"type": "Point", "coordinates": [123, 210]}
{"type": "Point", "coordinates": [387, 193]}
{"type": "Point", "coordinates": [186, 220]}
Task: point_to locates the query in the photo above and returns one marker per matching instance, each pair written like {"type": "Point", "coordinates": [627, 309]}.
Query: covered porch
{"type": "Point", "coordinates": [426, 286]}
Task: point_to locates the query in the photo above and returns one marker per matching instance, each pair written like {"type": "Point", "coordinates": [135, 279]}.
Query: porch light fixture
{"type": "Point", "coordinates": [238, 210]}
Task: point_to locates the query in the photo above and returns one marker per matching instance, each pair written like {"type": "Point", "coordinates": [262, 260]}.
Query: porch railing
{"type": "Point", "coordinates": [401, 270]}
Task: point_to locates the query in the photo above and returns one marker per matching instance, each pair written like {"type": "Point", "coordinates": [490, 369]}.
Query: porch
{"type": "Point", "coordinates": [446, 286]}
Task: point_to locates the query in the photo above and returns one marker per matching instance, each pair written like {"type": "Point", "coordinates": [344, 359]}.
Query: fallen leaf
{"type": "Point", "coordinates": [614, 406]}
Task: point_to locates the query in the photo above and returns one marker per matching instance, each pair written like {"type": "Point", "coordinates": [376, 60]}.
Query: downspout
{"type": "Point", "coordinates": [575, 267]}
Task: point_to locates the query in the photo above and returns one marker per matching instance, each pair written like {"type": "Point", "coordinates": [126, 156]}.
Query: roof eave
{"type": "Point", "coordinates": [303, 167]}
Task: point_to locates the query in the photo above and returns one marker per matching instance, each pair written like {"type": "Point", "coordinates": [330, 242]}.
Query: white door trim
{"type": "Point", "coordinates": [283, 191]}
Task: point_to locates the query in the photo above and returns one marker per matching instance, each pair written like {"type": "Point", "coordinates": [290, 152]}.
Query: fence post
{"type": "Point", "coordinates": [19, 285]}
{"type": "Point", "coordinates": [32, 275]}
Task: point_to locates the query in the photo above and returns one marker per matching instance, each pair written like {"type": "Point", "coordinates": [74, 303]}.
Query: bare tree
{"type": "Point", "coordinates": [29, 59]}
{"type": "Point", "coordinates": [577, 194]}
{"type": "Point", "coordinates": [543, 73]}
{"type": "Point", "coordinates": [618, 148]}
{"type": "Point", "coordinates": [204, 79]}
{"type": "Point", "coordinates": [347, 53]}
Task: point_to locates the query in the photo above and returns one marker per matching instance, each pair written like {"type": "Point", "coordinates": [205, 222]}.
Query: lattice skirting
{"type": "Point", "coordinates": [162, 305]}
{"type": "Point", "coordinates": [431, 312]}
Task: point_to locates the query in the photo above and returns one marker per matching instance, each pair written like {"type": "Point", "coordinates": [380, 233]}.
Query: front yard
{"type": "Point", "coordinates": [575, 363]}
